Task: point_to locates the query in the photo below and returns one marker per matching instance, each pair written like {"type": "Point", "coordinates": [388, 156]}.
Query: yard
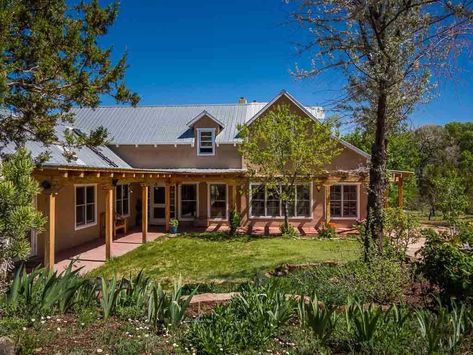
{"type": "Point", "coordinates": [219, 259]}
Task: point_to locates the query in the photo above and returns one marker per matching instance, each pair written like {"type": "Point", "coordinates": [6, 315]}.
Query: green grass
{"type": "Point", "coordinates": [204, 258]}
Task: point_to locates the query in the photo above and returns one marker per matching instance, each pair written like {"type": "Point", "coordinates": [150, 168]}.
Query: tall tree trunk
{"type": "Point", "coordinates": [286, 218]}
{"type": "Point", "coordinates": [377, 183]}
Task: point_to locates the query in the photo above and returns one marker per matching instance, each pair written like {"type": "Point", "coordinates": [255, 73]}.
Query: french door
{"type": "Point", "coordinates": [157, 204]}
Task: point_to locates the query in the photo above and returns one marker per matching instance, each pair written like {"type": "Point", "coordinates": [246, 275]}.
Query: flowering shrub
{"type": "Point", "coordinates": [328, 231]}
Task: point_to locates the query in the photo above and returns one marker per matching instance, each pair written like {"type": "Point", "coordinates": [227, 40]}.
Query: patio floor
{"type": "Point", "coordinates": [91, 255]}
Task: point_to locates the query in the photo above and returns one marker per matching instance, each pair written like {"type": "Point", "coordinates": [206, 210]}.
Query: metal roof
{"type": "Point", "coordinates": [96, 157]}
{"type": "Point", "coordinates": [166, 124]}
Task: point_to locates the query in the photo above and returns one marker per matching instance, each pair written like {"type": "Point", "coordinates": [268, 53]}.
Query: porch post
{"type": "Point", "coordinates": [400, 192]}
{"type": "Point", "coordinates": [386, 195]}
{"type": "Point", "coordinates": [327, 203]}
{"type": "Point", "coordinates": [144, 214]}
{"type": "Point", "coordinates": [50, 235]}
{"type": "Point", "coordinates": [167, 206]}
{"type": "Point", "coordinates": [108, 221]}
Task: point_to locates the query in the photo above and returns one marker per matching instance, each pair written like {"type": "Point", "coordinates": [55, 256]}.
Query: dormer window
{"type": "Point", "coordinates": [205, 141]}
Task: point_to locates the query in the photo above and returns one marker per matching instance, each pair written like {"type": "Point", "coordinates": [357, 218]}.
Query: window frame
{"type": "Point", "coordinates": [196, 200]}
{"type": "Point", "coordinates": [86, 225]}
{"type": "Point", "coordinates": [342, 184]}
{"type": "Point", "coordinates": [209, 201]}
{"type": "Point", "coordinates": [205, 130]}
{"type": "Point", "coordinates": [281, 216]}
{"type": "Point", "coordinates": [121, 200]}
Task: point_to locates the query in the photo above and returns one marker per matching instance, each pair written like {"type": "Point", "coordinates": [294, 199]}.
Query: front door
{"type": "Point", "coordinates": [157, 210]}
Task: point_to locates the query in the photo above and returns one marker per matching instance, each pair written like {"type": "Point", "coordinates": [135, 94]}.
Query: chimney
{"type": "Point", "coordinates": [242, 100]}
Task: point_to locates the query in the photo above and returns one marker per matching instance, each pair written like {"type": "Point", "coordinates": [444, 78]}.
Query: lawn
{"type": "Point", "coordinates": [210, 258]}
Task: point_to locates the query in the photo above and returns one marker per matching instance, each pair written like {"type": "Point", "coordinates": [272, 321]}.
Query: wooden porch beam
{"type": "Point", "coordinates": [108, 221]}
{"type": "Point", "coordinates": [144, 214]}
{"type": "Point", "coordinates": [50, 236]}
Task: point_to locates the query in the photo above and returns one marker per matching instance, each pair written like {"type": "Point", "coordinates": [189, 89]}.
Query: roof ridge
{"type": "Point", "coordinates": [174, 105]}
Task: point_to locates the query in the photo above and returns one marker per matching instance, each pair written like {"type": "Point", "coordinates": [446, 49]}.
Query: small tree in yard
{"type": "Point", "coordinates": [388, 52]}
{"type": "Point", "coordinates": [17, 214]}
{"type": "Point", "coordinates": [282, 148]}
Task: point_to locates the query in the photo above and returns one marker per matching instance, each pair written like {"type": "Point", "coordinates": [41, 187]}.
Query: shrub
{"type": "Point", "coordinates": [327, 231]}
{"type": "Point", "coordinates": [445, 264]}
{"type": "Point", "coordinates": [401, 229]}
{"type": "Point", "coordinates": [248, 322]}
{"type": "Point", "coordinates": [235, 221]}
{"type": "Point", "coordinates": [288, 231]}
{"type": "Point", "coordinates": [321, 319]}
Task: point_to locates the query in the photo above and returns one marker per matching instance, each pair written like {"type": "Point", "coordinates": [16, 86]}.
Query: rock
{"type": "Point", "coordinates": [7, 346]}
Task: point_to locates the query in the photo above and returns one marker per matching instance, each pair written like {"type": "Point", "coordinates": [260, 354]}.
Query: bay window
{"type": "Point", "coordinates": [344, 201]}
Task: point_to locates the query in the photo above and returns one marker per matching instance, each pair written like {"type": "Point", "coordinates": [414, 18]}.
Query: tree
{"type": "Point", "coordinates": [17, 213]}
{"type": "Point", "coordinates": [50, 61]}
{"type": "Point", "coordinates": [283, 148]}
{"type": "Point", "coordinates": [387, 51]}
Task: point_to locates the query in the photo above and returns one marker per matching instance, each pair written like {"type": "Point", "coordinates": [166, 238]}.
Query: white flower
{"type": "Point", "coordinates": [24, 328]}
{"type": "Point", "coordinates": [146, 335]}
{"type": "Point", "coordinates": [48, 317]}
{"type": "Point", "coordinates": [43, 321]}
{"type": "Point", "coordinates": [82, 324]}
{"type": "Point", "coordinates": [99, 350]}
{"type": "Point", "coordinates": [175, 345]}
{"type": "Point", "coordinates": [32, 319]}
{"type": "Point", "coordinates": [58, 329]}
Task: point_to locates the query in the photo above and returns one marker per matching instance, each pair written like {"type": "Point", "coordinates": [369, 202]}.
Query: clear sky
{"type": "Point", "coordinates": [214, 51]}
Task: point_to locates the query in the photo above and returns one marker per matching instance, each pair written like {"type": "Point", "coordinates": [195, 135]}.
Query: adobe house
{"type": "Point", "coordinates": [182, 162]}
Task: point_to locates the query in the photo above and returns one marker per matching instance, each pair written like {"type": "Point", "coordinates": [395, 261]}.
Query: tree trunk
{"type": "Point", "coordinates": [286, 218]}
{"type": "Point", "coordinates": [377, 185]}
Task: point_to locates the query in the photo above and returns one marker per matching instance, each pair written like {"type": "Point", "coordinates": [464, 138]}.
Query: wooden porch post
{"type": "Point", "coordinates": [400, 192]}
{"type": "Point", "coordinates": [50, 235]}
{"type": "Point", "coordinates": [386, 195]}
{"type": "Point", "coordinates": [144, 214]}
{"type": "Point", "coordinates": [327, 203]}
{"type": "Point", "coordinates": [167, 206]}
{"type": "Point", "coordinates": [108, 221]}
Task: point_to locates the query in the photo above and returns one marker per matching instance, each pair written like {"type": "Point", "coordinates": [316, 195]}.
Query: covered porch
{"type": "Point", "coordinates": [95, 214]}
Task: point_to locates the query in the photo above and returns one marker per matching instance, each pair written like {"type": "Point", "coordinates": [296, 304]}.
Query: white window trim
{"type": "Point", "coordinates": [76, 227]}
{"type": "Point", "coordinates": [199, 131]}
{"type": "Point", "coordinates": [180, 201]}
{"type": "Point", "coordinates": [208, 201]}
{"type": "Point", "coordinates": [358, 185]}
{"type": "Point", "coordinates": [129, 193]}
{"type": "Point", "coordinates": [294, 218]}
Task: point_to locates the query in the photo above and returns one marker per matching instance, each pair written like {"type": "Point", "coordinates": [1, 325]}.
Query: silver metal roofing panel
{"type": "Point", "coordinates": [163, 124]}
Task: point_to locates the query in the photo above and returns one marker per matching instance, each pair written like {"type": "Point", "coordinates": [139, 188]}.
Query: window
{"type": "Point", "coordinates": [205, 141]}
{"type": "Point", "coordinates": [218, 201]}
{"type": "Point", "coordinates": [85, 206]}
{"type": "Point", "coordinates": [344, 201]}
{"type": "Point", "coordinates": [188, 201]}
{"type": "Point", "coordinates": [122, 200]}
{"type": "Point", "coordinates": [265, 202]}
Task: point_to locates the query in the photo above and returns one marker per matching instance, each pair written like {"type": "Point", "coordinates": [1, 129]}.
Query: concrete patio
{"type": "Point", "coordinates": [91, 255]}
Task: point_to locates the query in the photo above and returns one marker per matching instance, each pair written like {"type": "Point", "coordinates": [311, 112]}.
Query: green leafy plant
{"type": "Point", "coordinates": [327, 231]}
{"type": "Point", "coordinates": [173, 222]}
{"type": "Point", "coordinates": [364, 321]}
{"type": "Point", "coordinates": [288, 231]}
{"type": "Point", "coordinates": [235, 222]}
{"type": "Point", "coordinates": [320, 318]}
{"type": "Point", "coordinates": [109, 294]}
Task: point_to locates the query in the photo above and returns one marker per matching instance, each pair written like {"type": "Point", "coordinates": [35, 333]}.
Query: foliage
{"type": "Point", "coordinates": [168, 309]}
{"type": "Point", "coordinates": [320, 318]}
{"type": "Point", "coordinates": [327, 231]}
{"type": "Point", "coordinates": [386, 51]}
{"type": "Point", "coordinates": [50, 61]}
{"type": "Point", "coordinates": [445, 264]}
{"type": "Point", "coordinates": [173, 222]}
{"type": "Point", "coordinates": [17, 214]}
{"type": "Point", "coordinates": [288, 230]}
{"type": "Point", "coordinates": [451, 198]}
{"type": "Point", "coordinates": [364, 321]}
{"type": "Point", "coordinates": [402, 229]}
{"type": "Point", "coordinates": [235, 222]}
{"type": "Point", "coordinates": [282, 148]}
{"type": "Point", "coordinates": [248, 322]}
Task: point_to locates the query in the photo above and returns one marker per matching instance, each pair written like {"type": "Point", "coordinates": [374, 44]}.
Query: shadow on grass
{"type": "Point", "coordinates": [222, 236]}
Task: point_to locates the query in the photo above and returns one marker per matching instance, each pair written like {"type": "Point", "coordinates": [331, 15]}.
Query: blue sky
{"type": "Point", "coordinates": [214, 51]}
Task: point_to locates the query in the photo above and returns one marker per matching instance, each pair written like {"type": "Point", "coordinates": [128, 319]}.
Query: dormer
{"type": "Point", "coordinates": [206, 129]}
